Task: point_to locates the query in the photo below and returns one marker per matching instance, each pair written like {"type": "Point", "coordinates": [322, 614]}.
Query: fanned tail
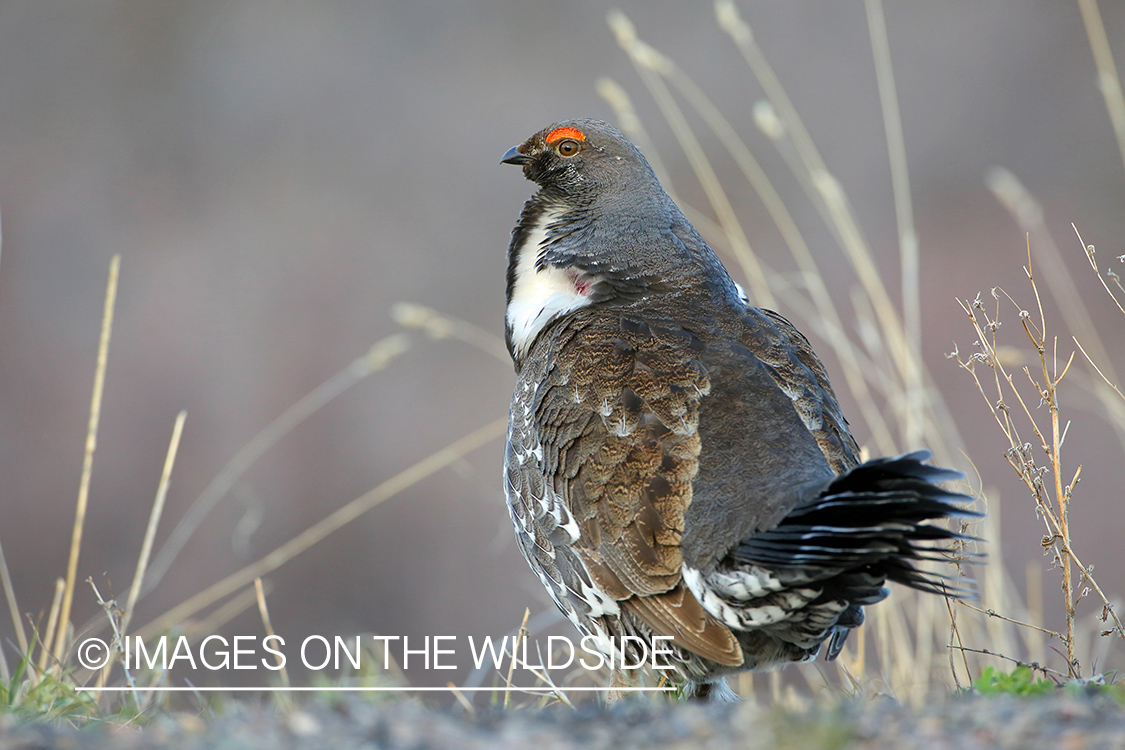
{"type": "Point", "coordinates": [868, 526]}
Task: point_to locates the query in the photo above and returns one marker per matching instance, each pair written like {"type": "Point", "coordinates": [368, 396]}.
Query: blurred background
{"type": "Point", "coordinates": [276, 176]}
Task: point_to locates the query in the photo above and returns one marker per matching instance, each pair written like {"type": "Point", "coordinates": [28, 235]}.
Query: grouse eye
{"type": "Point", "coordinates": [567, 147]}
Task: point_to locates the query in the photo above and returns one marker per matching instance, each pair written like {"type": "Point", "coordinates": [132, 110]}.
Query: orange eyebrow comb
{"type": "Point", "coordinates": [559, 133]}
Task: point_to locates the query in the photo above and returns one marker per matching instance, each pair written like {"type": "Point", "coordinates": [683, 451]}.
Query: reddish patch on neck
{"type": "Point", "coordinates": [559, 133]}
{"type": "Point", "coordinates": [582, 282]}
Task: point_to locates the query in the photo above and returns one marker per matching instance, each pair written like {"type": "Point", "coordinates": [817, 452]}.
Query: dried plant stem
{"type": "Point", "coordinates": [997, 615]}
{"type": "Point", "coordinates": [544, 676]}
{"type": "Point", "coordinates": [902, 664]}
{"type": "Point", "coordinates": [520, 636]}
{"type": "Point", "coordinates": [461, 699]}
{"type": "Point", "coordinates": [746, 685]}
{"type": "Point", "coordinates": [264, 611]}
{"type": "Point", "coordinates": [1030, 665]}
{"type": "Point", "coordinates": [13, 608]}
{"type": "Point", "coordinates": [112, 613]}
{"type": "Point", "coordinates": [1051, 378]}
{"type": "Point", "coordinates": [1096, 368]}
{"type": "Point", "coordinates": [955, 634]}
{"type": "Point", "coordinates": [1091, 252]}
{"type": "Point", "coordinates": [52, 623]}
{"type": "Point", "coordinates": [224, 613]}
{"type": "Point", "coordinates": [381, 354]}
{"type": "Point", "coordinates": [1053, 501]}
{"type": "Point", "coordinates": [1108, 82]}
{"type": "Point", "coordinates": [88, 457]}
{"type": "Point", "coordinates": [996, 586]}
{"type": "Point", "coordinates": [913, 392]}
{"type": "Point", "coordinates": [334, 521]}
{"type": "Point", "coordinates": [1062, 499]}
{"type": "Point", "coordinates": [904, 213]}
{"type": "Point", "coordinates": [153, 521]}
{"type": "Point", "coordinates": [438, 326]}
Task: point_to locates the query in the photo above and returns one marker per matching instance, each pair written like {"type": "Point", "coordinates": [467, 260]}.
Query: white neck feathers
{"type": "Point", "coordinates": [539, 295]}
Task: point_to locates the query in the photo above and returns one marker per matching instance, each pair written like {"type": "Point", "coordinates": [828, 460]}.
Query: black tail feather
{"type": "Point", "coordinates": [872, 520]}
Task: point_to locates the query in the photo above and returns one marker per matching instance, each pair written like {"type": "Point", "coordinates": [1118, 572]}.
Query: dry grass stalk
{"type": "Point", "coordinates": [13, 608]}
{"type": "Point", "coordinates": [153, 520]}
{"type": "Point", "coordinates": [440, 327]}
{"type": "Point", "coordinates": [146, 545]}
{"type": "Point", "coordinates": [330, 523]}
{"type": "Point", "coordinates": [381, 354]}
{"type": "Point", "coordinates": [88, 457]}
{"type": "Point", "coordinates": [377, 358]}
{"type": "Point", "coordinates": [538, 671]}
{"type": "Point", "coordinates": [57, 631]}
{"type": "Point", "coordinates": [461, 699]}
{"type": "Point", "coordinates": [222, 614]}
{"type": "Point", "coordinates": [1108, 82]}
{"type": "Point", "coordinates": [52, 622]}
{"type": "Point", "coordinates": [907, 236]}
{"type": "Point", "coordinates": [520, 636]}
{"type": "Point", "coordinates": [955, 635]}
{"type": "Point", "coordinates": [264, 612]}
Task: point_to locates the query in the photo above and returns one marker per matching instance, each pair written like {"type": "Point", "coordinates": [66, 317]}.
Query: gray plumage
{"type": "Point", "coordinates": [677, 463]}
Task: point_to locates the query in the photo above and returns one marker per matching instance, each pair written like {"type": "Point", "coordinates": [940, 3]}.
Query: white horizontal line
{"type": "Point", "coordinates": [336, 689]}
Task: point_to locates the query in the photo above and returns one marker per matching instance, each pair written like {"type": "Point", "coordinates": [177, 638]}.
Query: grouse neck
{"type": "Point", "coordinates": [542, 286]}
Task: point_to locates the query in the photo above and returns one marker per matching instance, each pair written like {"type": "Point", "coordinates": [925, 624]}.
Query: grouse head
{"type": "Point", "coordinates": [600, 230]}
{"type": "Point", "coordinates": [578, 162]}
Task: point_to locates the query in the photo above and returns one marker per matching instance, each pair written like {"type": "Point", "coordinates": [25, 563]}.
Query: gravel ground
{"type": "Point", "coordinates": [1060, 721]}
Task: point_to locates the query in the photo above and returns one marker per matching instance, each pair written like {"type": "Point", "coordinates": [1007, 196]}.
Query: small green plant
{"type": "Point", "coordinates": [48, 696]}
{"type": "Point", "coordinates": [1019, 682]}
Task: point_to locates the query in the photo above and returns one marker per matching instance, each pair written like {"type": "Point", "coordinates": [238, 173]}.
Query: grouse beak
{"type": "Point", "coordinates": [513, 156]}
